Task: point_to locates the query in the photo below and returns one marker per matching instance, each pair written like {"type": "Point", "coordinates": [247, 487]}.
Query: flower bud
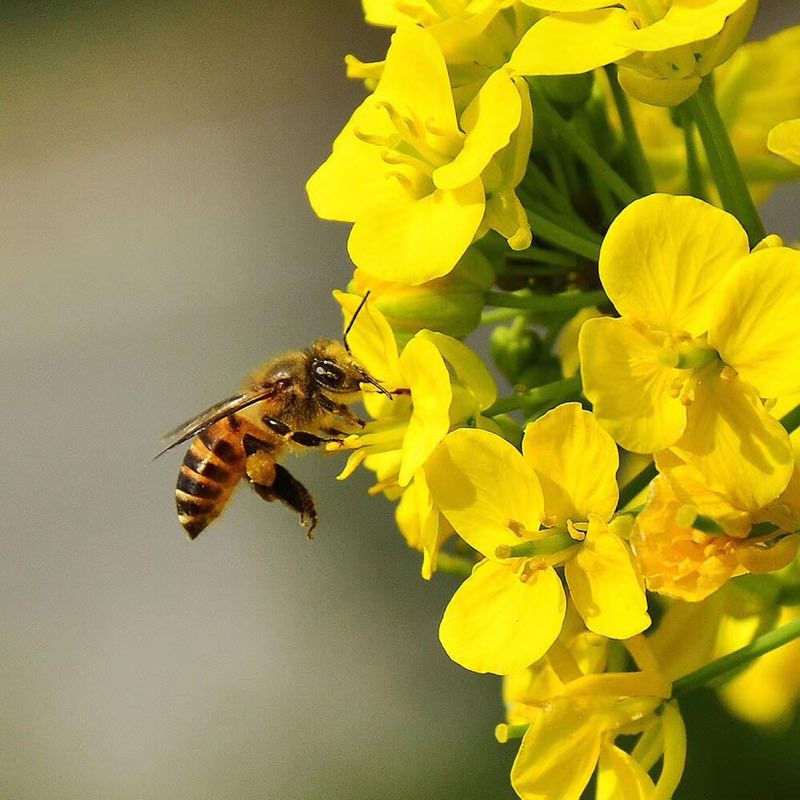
{"type": "Point", "coordinates": [515, 348]}
{"type": "Point", "coordinates": [451, 304]}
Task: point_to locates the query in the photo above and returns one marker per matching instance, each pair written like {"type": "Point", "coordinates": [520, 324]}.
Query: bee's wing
{"type": "Point", "coordinates": [218, 411]}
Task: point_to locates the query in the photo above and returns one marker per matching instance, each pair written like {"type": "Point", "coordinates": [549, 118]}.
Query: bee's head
{"type": "Point", "coordinates": [333, 369]}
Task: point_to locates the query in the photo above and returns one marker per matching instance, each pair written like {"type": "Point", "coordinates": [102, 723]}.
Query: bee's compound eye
{"type": "Point", "coordinates": [329, 374]}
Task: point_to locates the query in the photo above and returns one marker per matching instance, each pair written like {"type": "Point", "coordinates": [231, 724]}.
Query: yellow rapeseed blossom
{"type": "Point", "coordinates": [475, 37]}
{"type": "Point", "coordinates": [679, 560]}
{"type": "Point", "coordinates": [756, 89]}
{"type": "Point", "coordinates": [680, 318]}
{"type": "Point", "coordinates": [443, 384]}
{"type": "Point", "coordinates": [419, 184]}
{"type": "Point", "coordinates": [663, 47]}
{"type": "Point", "coordinates": [575, 716]}
{"type": "Point", "coordinates": [510, 611]}
{"type": "Point", "coordinates": [707, 329]}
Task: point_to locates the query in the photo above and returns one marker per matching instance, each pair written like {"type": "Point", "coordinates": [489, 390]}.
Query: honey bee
{"type": "Point", "coordinates": [300, 398]}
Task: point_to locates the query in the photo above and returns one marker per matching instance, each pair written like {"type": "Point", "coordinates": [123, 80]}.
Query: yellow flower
{"type": "Point", "coordinates": [575, 716]}
{"type": "Point", "coordinates": [508, 613]}
{"type": "Point", "coordinates": [475, 38]}
{"type": "Point", "coordinates": [419, 188]}
{"type": "Point", "coordinates": [706, 330]}
{"type": "Point", "coordinates": [679, 560]}
{"type": "Point", "coordinates": [755, 90]}
{"type": "Point", "coordinates": [443, 384]}
{"type": "Point", "coordinates": [784, 139]}
{"type": "Point", "coordinates": [663, 47]}
{"type": "Point", "coordinates": [451, 304]}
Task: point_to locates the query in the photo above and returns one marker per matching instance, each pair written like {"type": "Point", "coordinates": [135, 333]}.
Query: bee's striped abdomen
{"type": "Point", "coordinates": [210, 471]}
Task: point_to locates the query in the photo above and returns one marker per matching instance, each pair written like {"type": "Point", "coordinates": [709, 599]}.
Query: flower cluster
{"type": "Point", "coordinates": [579, 178]}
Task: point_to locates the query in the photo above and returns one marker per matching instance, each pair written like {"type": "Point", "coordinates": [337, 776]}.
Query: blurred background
{"type": "Point", "coordinates": [156, 245]}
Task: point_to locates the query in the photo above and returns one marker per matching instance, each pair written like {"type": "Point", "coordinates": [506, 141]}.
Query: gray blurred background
{"type": "Point", "coordinates": [156, 244]}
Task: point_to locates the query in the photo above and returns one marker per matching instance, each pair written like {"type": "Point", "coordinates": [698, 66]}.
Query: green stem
{"type": "Point", "coordinates": [564, 238]}
{"type": "Point", "coordinates": [695, 173]}
{"type": "Point", "coordinates": [537, 396]}
{"type": "Point", "coordinates": [557, 173]}
{"type": "Point", "coordinates": [604, 198]}
{"type": "Point", "coordinates": [584, 151]}
{"type": "Point", "coordinates": [641, 166]}
{"type": "Point", "coordinates": [723, 163]}
{"type": "Point", "coordinates": [565, 220]}
{"type": "Point", "coordinates": [758, 647]}
{"type": "Point", "coordinates": [496, 315]}
{"type": "Point", "coordinates": [566, 301]}
{"type": "Point", "coordinates": [538, 183]}
{"type": "Point", "coordinates": [540, 255]}
{"type": "Point", "coordinates": [636, 484]}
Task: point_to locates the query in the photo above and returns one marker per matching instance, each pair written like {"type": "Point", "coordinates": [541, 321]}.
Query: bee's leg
{"type": "Point", "coordinates": [286, 488]}
{"type": "Point", "coordinates": [303, 438]}
{"type": "Point", "coordinates": [341, 410]}
{"type": "Point", "coordinates": [260, 464]}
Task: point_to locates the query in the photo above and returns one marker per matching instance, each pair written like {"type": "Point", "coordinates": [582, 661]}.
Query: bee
{"type": "Point", "coordinates": [298, 399]}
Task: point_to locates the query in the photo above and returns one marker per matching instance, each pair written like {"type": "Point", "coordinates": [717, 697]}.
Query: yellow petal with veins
{"type": "Point", "coordinates": [418, 239]}
{"type": "Point", "coordinates": [621, 777]}
{"type": "Point", "coordinates": [603, 583]}
{"type": "Point", "coordinates": [558, 754]}
{"type": "Point", "coordinates": [756, 325]}
{"type": "Point", "coordinates": [426, 375]}
{"type": "Point", "coordinates": [480, 482]}
{"type": "Point", "coordinates": [488, 122]}
{"type": "Point", "coordinates": [576, 462]}
{"type": "Point", "coordinates": [497, 623]}
{"type": "Point", "coordinates": [568, 44]}
{"type": "Point", "coordinates": [740, 450]}
{"type": "Point", "coordinates": [630, 389]}
{"type": "Point", "coordinates": [664, 257]}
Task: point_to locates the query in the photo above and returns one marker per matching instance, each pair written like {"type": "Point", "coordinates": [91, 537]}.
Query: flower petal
{"type": "Point", "coordinates": [417, 240]}
{"type": "Point", "coordinates": [467, 365]}
{"type": "Point", "coordinates": [426, 375]}
{"type": "Point", "coordinates": [603, 583]}
{"type": "Point", "coordinates": [685, 22]}
{"type": "Point", "coordinates": [621, 777]}
{"type": "Point", "coordinates": [414, 52]}
{"type": "Point", "coordinates": [488, 121]}
{"type": "Point", "coordinates": [739, 449]}
{"type": "Point", "coordinates": [756, 327]}
{"type": "Point", "coordinates": [353, 180]}
{"type": "Point", "coordinates": [558, 754]}
{"type": "Point", "coordinates": [479, 482]}
{"type": "Point", "coordinates": [560, 446]}
{"type": "Point", "coordinates": [784, 140]}
{"type": "Point", "coordinates": [569, 44]}
{"type": "Point", "coordinates": [657, 91]}
{"type": "Point", "coordinates": [496, 623]}
{"type": "Point", "coordinates": [664, 256]}
{"type": "Point", "coordinates": [632, 392]}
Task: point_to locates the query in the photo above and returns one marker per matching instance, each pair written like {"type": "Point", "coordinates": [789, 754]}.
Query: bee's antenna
{"type": "Point", "coordinates": [353, 319]}
{"type": "Point", "coordinates": [364, 374]}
